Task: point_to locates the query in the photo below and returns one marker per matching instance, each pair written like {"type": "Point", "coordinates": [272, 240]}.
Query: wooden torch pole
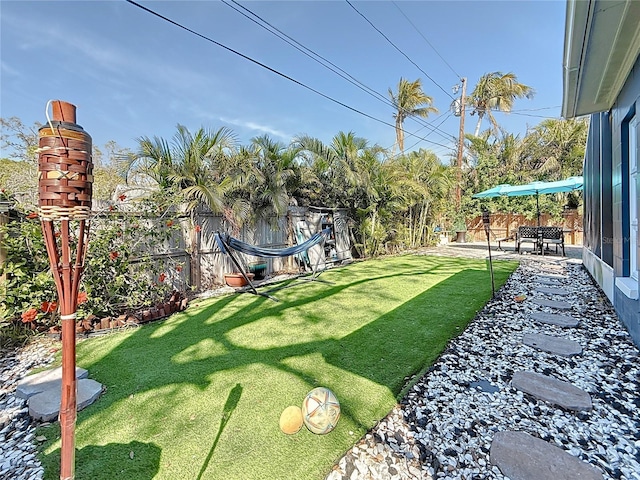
{"type": "Point", "coordinates": [64, 187]}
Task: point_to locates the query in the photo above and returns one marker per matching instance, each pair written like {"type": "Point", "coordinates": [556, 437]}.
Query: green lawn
{"type": "Point", "coordinates": [200, 394]}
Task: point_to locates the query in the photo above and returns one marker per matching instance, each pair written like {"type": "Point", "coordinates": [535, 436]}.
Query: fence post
{"type": "Point", "coordinates": [4, 220]}
{"type": "Point", "coordinates": [195, 272]}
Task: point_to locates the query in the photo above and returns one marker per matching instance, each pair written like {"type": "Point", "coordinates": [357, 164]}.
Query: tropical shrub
{"type": "Point", "coordinates": [29, 292]}
{"type": "Point", "coordinates": [121, 270]}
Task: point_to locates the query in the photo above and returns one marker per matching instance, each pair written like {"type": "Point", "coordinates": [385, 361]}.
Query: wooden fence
{"type": "Point", "coordinates": [204, 264]}
{"type": "Point", "coordinates": [505, 224]}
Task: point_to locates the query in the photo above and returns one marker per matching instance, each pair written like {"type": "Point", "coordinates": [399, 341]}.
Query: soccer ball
{"type": "Point", "coordinates": [320, 410]}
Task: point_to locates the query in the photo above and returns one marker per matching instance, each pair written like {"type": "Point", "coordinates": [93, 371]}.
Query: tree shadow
{"type": "Point", "coordinates": [115, 460]}
{"type": "Point", "coordinates": [192, 348]}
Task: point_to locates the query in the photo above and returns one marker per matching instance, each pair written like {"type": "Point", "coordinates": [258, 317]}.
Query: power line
{"type": "Point", "coordinates": [428, 42]}
{"type": "Point", "coordinates": [435, 128]}
{"type": "Point", "coordinates": [302, 48]}
{"type": "Point", "coordinates": [443, 120]}
{"type": "Point", "coordinates": [450, 137]}
{"type": "Point", "coordinates": [272, 70]}
{"type": "Point", "coordinates": [535, 109]}
{"type": "Point", "coordinates": [398, 49]}
{"type": "Point", "coordinates": [316, 56]}
{"type": "Point", "coordinates": [531, 115]}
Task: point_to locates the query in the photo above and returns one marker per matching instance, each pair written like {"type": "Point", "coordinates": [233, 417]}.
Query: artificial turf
{"type": "Point", "coordinates": [199, 395]}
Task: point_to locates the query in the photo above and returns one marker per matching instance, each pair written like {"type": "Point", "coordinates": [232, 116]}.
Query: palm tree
{"type": "Point", "coordinates": [496, 91]}
{"type": "Point", "coordinates": [194, 168]}
{"type": "Point", "coordinates": [200, 164]}
{"type": "Point", "coordinates": [423, 183]}
{"type": "Point", "coordinates": [409, 101]}
{"type": "Point", "coordinates": [348, 174]}
{"type": "Point", "coordinates": [556, 148]}
{"type": "Point", "coordinates": [336, 165]}
{"type": "Point", "coordinates": [279, 179]}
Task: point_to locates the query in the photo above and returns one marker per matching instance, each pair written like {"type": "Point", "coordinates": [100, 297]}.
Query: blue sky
{"type": "Point", "coordinates": [132, 74]}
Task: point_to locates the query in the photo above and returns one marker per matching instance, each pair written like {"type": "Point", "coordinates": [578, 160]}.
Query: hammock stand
{"type": "Point", "coordinates": [228, 245]}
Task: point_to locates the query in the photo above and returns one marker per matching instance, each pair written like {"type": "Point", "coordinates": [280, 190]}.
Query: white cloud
{"type": "Point", "coordinates": [104, 57]}
{"type": "Point", "coordinates": [8, 70]}
{"type": "Point", "coordinates": [257, 127]}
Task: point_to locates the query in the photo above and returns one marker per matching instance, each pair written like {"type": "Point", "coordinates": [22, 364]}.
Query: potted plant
{"type": "Point", "coordinates": [236, 279]}
{"type": "Point", "coordinates": [259, 269]}
{"type": "Point", "coordinates": [460, 229]}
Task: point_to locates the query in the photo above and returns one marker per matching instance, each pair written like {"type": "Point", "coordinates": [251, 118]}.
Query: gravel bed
{"type": "Point", "coordinates": [444, 426]}
{"type": "Point", "coordinates": [17, 431]}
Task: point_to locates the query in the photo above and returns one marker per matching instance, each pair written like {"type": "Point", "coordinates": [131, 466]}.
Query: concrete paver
{"type": "Point", "coordinates": [521, 456]}
{"type": "Point", "coordinates": [551, 344]}
{"type": "Point", "coordinates": [552, 390]}
{"type": "Point", "coordinates": [543, 302]}
{"type": "Point", "coordinates": [555, 319]}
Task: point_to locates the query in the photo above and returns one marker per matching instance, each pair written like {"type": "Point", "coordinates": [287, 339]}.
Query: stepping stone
{"type": "Point", "coordinates": [543, 302]}
{"type": "Point", "coordinates": [521, 456]}
{"type": "Point", "coordinates": [555, 319]}
{"type": "Point", "coordinates": [553, 271]}
{"type": "Point", "coordinates": [551, 344]}
{"type": "Point", "coordinates": [484, 386]}
{"type": "Point", "coordinates": [48, 379]}
{"type": "Point", "coordinates": [548, 281]}
{"type": "Point", "coordinates": [45, 405]}
{"type": "Point", "coordinates": [552, 390]}
{"type": "Point", "coordinates": [552, 291]}
{"type": "Point", "coordinates": [553, 276]}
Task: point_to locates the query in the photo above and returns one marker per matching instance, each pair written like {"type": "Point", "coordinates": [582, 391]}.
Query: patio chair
{"type": "Point", "coordinates": [553, 235]}
{"type": "Point", "coordinates": [527, 234]}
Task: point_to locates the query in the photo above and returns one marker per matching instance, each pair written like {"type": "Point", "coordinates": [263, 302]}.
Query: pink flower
{"type": "Point", "coordinates": [162, 277]}
{"type": "Point", "coordinates": [113, 255]}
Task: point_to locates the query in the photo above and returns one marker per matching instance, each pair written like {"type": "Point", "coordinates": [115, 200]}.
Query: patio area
{"type": "Point", "coordinates": [479, 250]}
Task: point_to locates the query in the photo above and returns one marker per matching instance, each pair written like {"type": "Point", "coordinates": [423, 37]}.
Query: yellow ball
{"type": "Point", "coordinates": [320, 410]}
{"type": "Point", "coordinates": [291, 420]}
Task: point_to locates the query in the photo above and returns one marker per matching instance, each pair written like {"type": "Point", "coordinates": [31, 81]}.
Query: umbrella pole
{"type": "Point", "coordinates": [486, 221]}
{"type": "Point", "coordinates": [538, 206]}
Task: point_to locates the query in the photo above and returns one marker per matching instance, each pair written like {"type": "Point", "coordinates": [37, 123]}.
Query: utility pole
{"type": "Point", "coordinates": [463, 100]}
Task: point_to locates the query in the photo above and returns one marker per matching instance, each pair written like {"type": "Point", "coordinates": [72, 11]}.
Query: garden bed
{"type": "Point", "coordinates": [94, 325]}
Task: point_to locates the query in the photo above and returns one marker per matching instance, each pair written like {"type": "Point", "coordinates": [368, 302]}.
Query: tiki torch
{"type": "Point", "coordinates": [486, 221]}
{"type": "Point", "coordinates": [64, 187]}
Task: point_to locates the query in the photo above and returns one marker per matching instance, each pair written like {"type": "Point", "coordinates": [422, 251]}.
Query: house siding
{"type": "Point", "coordinates": [606, 204]}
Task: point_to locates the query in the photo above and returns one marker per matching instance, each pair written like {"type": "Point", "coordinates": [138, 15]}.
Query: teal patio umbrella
{"type": "Point", "coordinates": [534, 188]}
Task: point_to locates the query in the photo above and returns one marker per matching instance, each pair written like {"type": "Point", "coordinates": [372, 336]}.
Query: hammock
{"type": "Point", "coordinates": [228, 244]}
{"type": "Point", "coordinates": [224, 241]}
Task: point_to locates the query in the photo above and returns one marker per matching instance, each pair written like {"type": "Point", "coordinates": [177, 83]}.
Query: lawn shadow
{"type": "Point", "coordinates": [131, 460]}
{"type": "Point", "coordinates": [435, 316]}
{"type": "Point", "coordinates": [190, 348]}
{"type": "Point", "coordinates": [229, 406]}
{"type": "Point", "coordinates": [195, 336]}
